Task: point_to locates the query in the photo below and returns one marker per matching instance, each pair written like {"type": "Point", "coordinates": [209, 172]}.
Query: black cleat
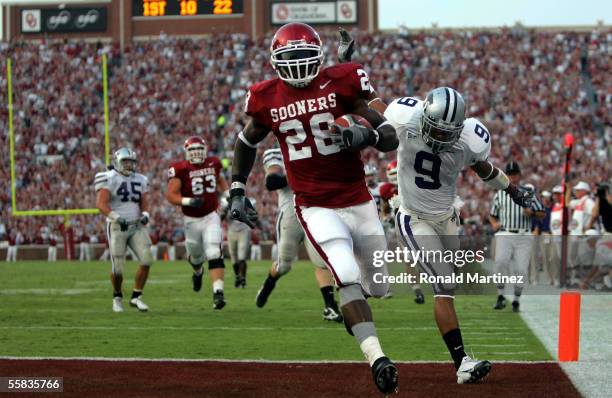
{"type": "Point", "coordinates": [243, 282]}
{"type": "Point", "coordinates": [515, 306]}
{"type": "Point", "coordinates": [501, 303]}
{"type": "Point", "coordinates": [218, 300]}
{"type": "Point", "coordinates": [266, 289]}
{"type": "Point", "coordinates": [330, 314]}
{"type": "Point", "coordinates": [385, 375]}
{"type": "Point", "coordinates": [197, 281]}
{"type": "Point", "coordinates": [419, 298]}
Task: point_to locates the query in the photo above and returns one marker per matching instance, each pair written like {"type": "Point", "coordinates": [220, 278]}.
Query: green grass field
{"type": "Point", "coordinates": [63, 309]}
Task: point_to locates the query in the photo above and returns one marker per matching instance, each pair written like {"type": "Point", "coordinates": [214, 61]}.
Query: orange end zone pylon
{"type": "Point", "coordinates": [569, 326]}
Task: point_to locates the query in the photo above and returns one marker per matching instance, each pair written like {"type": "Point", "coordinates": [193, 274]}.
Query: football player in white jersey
{"type": "Point", "coordinates": [121, 195]}
{"type": "Point", "coordinates": [436, 143]}
{"type": "Point", "coordinates": [289, 235]}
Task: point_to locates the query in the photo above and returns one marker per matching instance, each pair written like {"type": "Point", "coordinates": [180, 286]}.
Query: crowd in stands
{"type": "Point", "coordinates": [526, 86]}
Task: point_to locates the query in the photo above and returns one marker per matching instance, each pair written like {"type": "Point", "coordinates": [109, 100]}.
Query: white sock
{"type": "Point", "coordinates": [218, 285]}
{"type": "Point", "coordinates": [371, 349]}
{"type": "Point", "coordinates": [500, 292]}
{"type": "Point", "coordinates": [517, 298]}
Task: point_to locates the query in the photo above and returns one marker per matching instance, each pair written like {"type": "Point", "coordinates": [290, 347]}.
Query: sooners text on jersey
{"type": "Point", "coordinates": [198, 180]}
{"type": "Point", "coordinates": [319, 173]}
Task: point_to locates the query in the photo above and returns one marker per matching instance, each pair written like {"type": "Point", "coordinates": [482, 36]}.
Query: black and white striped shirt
{"type": "Point", "coordinates": [510, 214]}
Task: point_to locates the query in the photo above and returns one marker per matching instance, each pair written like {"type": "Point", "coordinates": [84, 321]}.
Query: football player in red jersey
{"type": "Point", "coordinates": [194, 184]}
{"type": "Point", "coordinates": [325, 171]}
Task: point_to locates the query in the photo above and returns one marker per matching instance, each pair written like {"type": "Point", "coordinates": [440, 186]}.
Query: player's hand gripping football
{"type": "Point", "coordinates": [355, 137]}
{"type": "Point", "coordinates": [522, 196]}
{"type": "Point", "coordinates": [346, 48]}
{"type": "Point", "coordinates": [241, 208]}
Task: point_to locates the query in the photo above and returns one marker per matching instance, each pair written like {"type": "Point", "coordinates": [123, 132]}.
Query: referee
{"type": "Point", "coordinates": [513, 239]}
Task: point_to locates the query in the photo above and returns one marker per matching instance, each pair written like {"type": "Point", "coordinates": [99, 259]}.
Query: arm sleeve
{"type": "Point", "coordinates": [536, 205]}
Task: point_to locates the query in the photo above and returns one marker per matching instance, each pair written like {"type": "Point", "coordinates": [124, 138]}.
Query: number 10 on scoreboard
{"type": "Point", "coordinates": [189, 7]}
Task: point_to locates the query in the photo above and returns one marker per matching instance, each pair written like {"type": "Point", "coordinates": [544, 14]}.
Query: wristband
{"type": "Point", "coordinates": [185, 201]}
{"type": "Point", "coordinates": [145, 214]}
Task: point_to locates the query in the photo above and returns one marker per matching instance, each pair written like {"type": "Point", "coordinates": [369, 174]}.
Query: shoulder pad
{"type": "Point", "coordinates": [340, 70]}
{"type": "Point", "coordinates": [256, 96]}
{"type": "Point", "coordinates": [102, 180]}
{"type": "Point", "coordinates": [402, 110]}
{"type": "Point", "coordinates": [263, 86]}
{"type": "Point", "coordinates": [476, 139]}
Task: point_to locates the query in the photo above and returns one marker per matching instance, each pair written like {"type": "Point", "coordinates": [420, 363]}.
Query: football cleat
{"type": "Point", "coordinates": [472, 370]}
{"type": "Point", "coordinates": [138, 303]}
{"type": "Point", "coordinates": [218, 300]}
{"type": "Point", "coordinates": [385, 375]}
{"type": "Point", "coordinates": [117, 304]}
{"type": "Point", "coordinates": [329, 314]}
{"type": "Point", "coordinates": [501, 303]}
{"type": "Point", "coordinates": [266, 289]}
{"type": "Point", "coordinates": [243, 282]}
{"type": "Point", "coordinates": [515, 306]}
{"type": "Point", "coordinates": [197, 281]}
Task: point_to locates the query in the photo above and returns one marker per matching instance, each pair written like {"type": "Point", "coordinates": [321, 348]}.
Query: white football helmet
{"type": "Point", "coordinates": [125, 161]}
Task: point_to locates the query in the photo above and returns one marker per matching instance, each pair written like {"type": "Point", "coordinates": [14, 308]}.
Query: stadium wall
{"type": "Point", "coordinates": [123, 27]}
{"type": "Point", "coordinates": [39, 252]}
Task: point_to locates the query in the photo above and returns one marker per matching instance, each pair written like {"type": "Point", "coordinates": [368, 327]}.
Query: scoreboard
{"type": "Point", "coordinates": [185, 8]}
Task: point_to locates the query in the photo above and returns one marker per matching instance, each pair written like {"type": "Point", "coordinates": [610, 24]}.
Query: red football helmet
{"type": "Point", "coordinates": [392, 172]}
{"type": "Point", "coordinates": [195, 150]}
{"type": "Point", "coordinates": [296, 54]}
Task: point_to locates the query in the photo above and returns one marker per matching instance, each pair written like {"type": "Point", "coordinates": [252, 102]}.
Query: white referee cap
{"type": "Point", "coordinates": [546, 194]}
{"type": "Point", "coordinates": [557, 189]}
{"type": "Point", "coordinates": [582, 186]}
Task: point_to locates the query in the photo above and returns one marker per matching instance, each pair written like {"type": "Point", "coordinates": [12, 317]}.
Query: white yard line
{"type": "Point", "coordinates": [111, 359]}
{"type": "Point", "coordinates": [225, 328]}
{"type": "Point", "coordinates": [591, 374]}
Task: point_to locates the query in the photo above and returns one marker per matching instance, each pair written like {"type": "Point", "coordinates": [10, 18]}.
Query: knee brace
{"type": "Point", "coordinates": [216, 263]}
{"type": "Point", "coordinates": [118, 263]}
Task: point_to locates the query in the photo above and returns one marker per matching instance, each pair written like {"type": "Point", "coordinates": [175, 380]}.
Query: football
{"type": "Point", "coordinates": [350, 119]}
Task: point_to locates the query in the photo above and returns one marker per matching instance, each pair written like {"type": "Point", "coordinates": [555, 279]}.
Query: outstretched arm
{"type": "Point", "coordinates": [497, 179]}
